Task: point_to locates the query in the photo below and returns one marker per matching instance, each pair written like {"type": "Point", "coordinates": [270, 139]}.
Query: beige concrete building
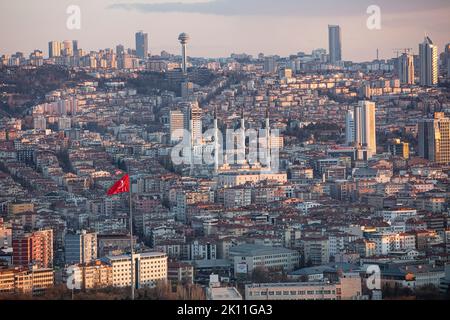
{"type": "Point", "coordinates": [149, 268]}
{"type": "Point", "coordinates": [28, 281]}
{"type": "Point", "coordinates": [347, 288]}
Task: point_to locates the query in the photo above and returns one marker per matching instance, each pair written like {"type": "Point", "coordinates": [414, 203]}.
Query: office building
{"type": "Point", "coordinates": [428, 53]}
{"type": "Point", "coordinates": [195, 124]}
{"type": "Point", "coordinates": [67, 48]}
{"type": "Point", "coordinates": [75, 48]}
{"type": "Point", "coordinates": [248, 257]}
{"type": "Point", "coordinates": [360, 129]}
{"type": "Point", "coordinates": [270, 65]}
{"type": "Point", "coordinates": [365, 127]}
{"type": "Point", "coordinates": [80, 247]}
{"type": "Point", "coordinates": [176, 120]}
{"type": "Point", "coordinates": [348, 287]}
{"type": "Point", "coordinates": [399, 148]}
{"type": "Point", "coordinates": [187, 90]}
{"type": "Point", "coordinates": [406, 68]}
{"type": "Point", "coordinates": [335, 44]}
{"type": "Point", "coordinates": [148, 268]}
{"type": "Point", "coordinates": [142, 44]}
{"type": "Point", "coordinates": [434, 138]}
{"type": "Point", "coordinates": [120, 50]}
{"type": "Point", "coordinates": [350, 127]}
{"type": "Point", "coordinates": [54, 49]}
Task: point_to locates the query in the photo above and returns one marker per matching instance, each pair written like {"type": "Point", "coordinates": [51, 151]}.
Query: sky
{"type": "Point", "coordinates": [220, 27]}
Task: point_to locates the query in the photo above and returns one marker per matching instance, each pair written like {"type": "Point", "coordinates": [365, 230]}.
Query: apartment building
{"type": "Point", "coordinates": [34, 249]}
{"type": "Point", "coordinates": [23, 280]}
{"type": "Point", "coordinates": [316, 250]}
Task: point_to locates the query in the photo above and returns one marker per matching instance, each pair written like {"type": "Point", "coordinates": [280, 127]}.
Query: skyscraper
{"type": "Point", "coordinates": [350, 127]}
{"type": "Point", "coordinates": [446, 60]}
{"type": "Point", "coordinates": [75, 47]}
{"type": "Point", "coordinates": [120, 50]}
{"type": "Point", "coordinates": [270, 65]}
{"type": "Point", "coordinates": [448, 68]}
{"type": "Point", "coordinates": [365, 128]}
{"type": "Point", "coordinates": [80, 247]}
{"type": "Point", "coordinates": [187, 89]}
{"type": "Point", "coordinates": [54, 49]}
{"type": "Point", "coordinates": [434, 138]}
{"type": "Point", "coordinates": [406, 68]}
{"type": "Point", "coordinates": [399, 148]}
{"type": "Point", "coordinates": [217, 143]}
{"type": "Point", "coordinates": [176, 125]}
{"type": "Point", "coordinates": [142, 44]}
{"type": "Point", "coordinates": [67, 48]}
{"type": "Point", "coordinates": [335, 43]}
{"type": "Point", "coordinates": [184, 38]}
{"type": "Point", "coordinates": [428, 63]}
{"type": "Point", "coordinates": [196, 123]}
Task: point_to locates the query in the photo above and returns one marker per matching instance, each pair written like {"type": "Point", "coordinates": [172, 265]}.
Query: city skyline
{"type": "Point", "coordinates": [310, 162]}
{"type": "Point", "coordinates": [229, 31]}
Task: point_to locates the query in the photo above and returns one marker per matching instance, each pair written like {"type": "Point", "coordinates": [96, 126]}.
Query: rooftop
{"type": "Point", "coordinates": [258, 250]}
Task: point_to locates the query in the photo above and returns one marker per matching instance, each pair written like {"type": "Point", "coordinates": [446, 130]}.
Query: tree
{"type": "Point", "coordinates": [428, 292]}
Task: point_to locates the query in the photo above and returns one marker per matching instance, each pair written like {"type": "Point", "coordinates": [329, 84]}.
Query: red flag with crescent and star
{"type": "Point", "coordinates": [121, 186]}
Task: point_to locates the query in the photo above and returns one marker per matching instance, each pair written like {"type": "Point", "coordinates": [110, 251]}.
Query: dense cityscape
{"type": "Point", "coordinates": [306, 177]}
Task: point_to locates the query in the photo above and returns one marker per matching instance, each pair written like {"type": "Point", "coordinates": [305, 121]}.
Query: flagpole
{"type": "Point", "coordinates": [131, 241]}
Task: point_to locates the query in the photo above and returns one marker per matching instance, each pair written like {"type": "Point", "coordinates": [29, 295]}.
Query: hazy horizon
{"type": "Point", "coordinates": [221, 27]}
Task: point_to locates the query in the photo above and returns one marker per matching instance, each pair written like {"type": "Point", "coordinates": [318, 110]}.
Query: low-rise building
{"type": "Point", "coordinates": [29, 281]}
{"type": "Point", "coordinates": [347, 288]}
{"type": "Point", "coordinates": [248, 257]}
{"type": "Point", "coordinates": [149, 268]}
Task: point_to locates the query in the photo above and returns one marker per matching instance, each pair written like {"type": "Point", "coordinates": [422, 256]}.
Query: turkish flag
{"type": "Point", "coordinates": [121, 186]}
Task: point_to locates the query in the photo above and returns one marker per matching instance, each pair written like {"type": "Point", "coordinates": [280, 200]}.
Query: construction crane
{"type": "Point", "coordinates": [405, 50]}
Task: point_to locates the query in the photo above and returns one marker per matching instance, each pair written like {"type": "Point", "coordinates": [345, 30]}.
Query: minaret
{"type": "Point", "coordinates": [216, 143]}
{"type": "Point", "coordinates": [243, 134]}
{"type": "Point", "coordinates": [191, 125]}
{"type": "Point", "coordinates": [268, 142]}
